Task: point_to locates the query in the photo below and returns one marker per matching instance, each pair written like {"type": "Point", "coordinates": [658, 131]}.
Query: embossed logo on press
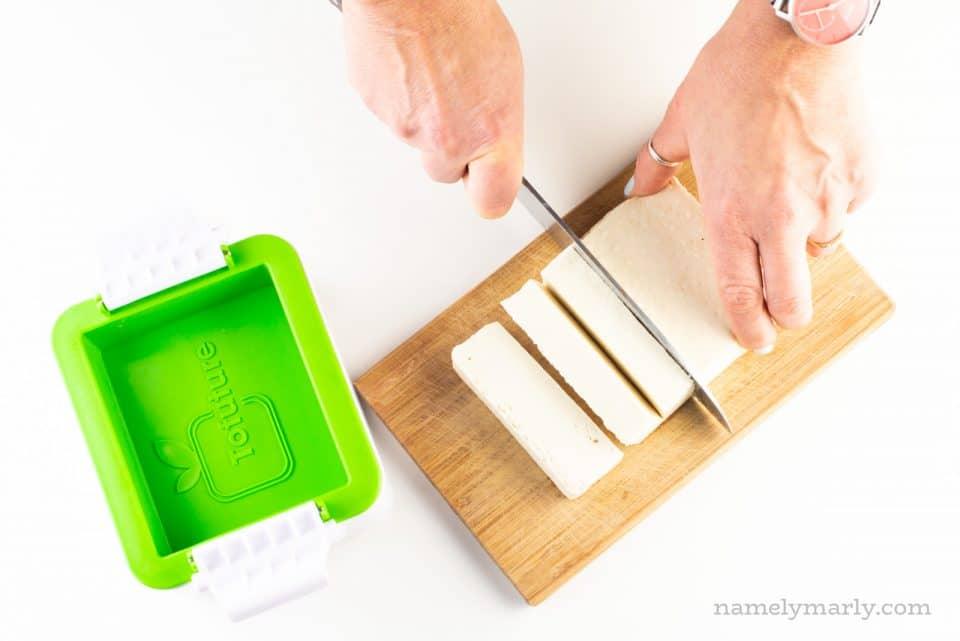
{"type": "Point", "coordinates": [238, 447]}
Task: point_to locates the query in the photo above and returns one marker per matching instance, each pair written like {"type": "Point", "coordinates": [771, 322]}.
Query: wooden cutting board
{"type": "Point", "coordinates": [537, 537]}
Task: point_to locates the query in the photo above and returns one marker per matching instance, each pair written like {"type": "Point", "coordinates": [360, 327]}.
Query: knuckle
{"type": "Point", "coordinates": [776, 226]}
{"type": "Point", "coordinates": [491, 124]}
{"type": "Point", "coordinates": [790, 309]}
{"type": "Point", "coordinates": [726, 223]}
{"type": "Point", "coordinates": [405, 129]}
{"type": "Point", "coordinates": [832, 204]}
{"type": "Point", "coordinates": [741, 300]}
{"type": "Point", "coordinates": [447, 135]}
{"type": "Point", "coordinates": [781, 214]}
{"type": "Point", "coordinates": [443, 139]}
{"type": "Point", "coordinates": [780, 195]}
{"type": "Point", "coordinates": [441, 171]}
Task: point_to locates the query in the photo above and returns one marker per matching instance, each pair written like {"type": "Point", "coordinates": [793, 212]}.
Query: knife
{"type": "Point", "coordinates": [564, 236]}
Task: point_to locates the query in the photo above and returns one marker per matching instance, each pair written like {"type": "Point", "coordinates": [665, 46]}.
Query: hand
{"type": "Point", "coordinates": [775, 131]}
{"type": "Point", "coordinates": [447, 78]}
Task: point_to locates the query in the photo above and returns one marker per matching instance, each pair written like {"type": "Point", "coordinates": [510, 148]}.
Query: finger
{"type": "Point", "coordinates": [670, 143]}
{"type": "Point", "coordinates": [493, 180]}
{"type": "Point", "coordinates": [442, 168]}
{"type": "Point", "coordinates": [786, 279]}
{"type": "Point", "coordinates": [825, 236]}
{"type": "Point", "coordinates": [864, 179]}
{"type": "Point", "coordinates": [740, 283]}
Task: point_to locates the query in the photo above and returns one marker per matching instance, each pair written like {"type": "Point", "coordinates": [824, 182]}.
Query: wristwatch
{"type": "Point", "coordinates": [827, 22]}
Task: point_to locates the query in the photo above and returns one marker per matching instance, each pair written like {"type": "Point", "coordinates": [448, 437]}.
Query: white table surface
{"type": "Point", "coordinates": [239, 111]}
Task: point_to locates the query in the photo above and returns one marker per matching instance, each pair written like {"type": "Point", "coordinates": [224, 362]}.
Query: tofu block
{"type": "Point", "coordinates": [621, 336]}
{"type": "Point", "coordinates": [559, 436]}
{"type": "Point", "coordinates": [582, 364]}
{"type": "Point", "coordinates": [656, 249]}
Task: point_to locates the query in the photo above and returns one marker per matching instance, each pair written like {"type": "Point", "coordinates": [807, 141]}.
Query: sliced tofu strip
{"type": "Point", "coordinates": [612, 325]}
{"type": "Point", "coordinates": [656, 249]}
{"type": "Point", "coordinates": [581, 363]}
{"type": "Point", "coordinates": [560, 437]}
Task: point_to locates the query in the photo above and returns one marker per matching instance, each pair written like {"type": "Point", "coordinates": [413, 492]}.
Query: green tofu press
{"type": "Point", "coordinates": [225, 432]}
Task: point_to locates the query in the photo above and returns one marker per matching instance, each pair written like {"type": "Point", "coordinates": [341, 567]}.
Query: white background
{"type": "Point", "coordinates": [239, 111]}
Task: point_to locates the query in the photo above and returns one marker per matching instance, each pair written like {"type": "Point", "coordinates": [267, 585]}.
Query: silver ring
{"type": "Point", "coordinates": [660, 160]}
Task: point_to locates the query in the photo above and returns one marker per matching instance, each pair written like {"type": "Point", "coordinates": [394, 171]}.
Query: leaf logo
{"type": "Point", "coordinates": [179, 456]}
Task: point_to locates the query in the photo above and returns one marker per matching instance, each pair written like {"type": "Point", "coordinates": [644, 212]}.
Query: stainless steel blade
{"type": "Point", "coordinates": [561, 232]}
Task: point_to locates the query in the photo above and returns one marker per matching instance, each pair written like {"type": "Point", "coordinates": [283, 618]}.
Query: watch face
{"type": "Point", "coordinates": [828, 22]}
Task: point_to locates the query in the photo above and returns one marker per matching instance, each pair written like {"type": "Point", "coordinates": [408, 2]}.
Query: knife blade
{"type": "Point", "coordinates": [564, 236]}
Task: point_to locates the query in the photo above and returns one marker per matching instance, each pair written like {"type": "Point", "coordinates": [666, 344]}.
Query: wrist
{"type": "Point", "coordinates": [757, 25]}
{"type": "Point", "coordinates": [759, 38]}
{"type": "Point", "coordinates": [409, 18]}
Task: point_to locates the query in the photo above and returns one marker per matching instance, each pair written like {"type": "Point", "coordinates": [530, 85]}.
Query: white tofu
{"type": "Point", "coordinates": [656, 249]}
{"type": "Point", "coordinates": [581, 363]}
{"type": "Point", "coordinates": [560, 437]}
{"type": "Point", "coordinates": [620, 335]}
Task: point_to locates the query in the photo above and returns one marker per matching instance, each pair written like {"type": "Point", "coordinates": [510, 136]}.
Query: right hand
{"type": "Point", "coordinates": [447, 78]}
{"type": "Point", "coordinates": [775, 128]}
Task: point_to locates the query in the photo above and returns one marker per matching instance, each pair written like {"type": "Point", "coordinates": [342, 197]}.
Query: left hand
{"type": "Point", "coordinates": [775, 130]}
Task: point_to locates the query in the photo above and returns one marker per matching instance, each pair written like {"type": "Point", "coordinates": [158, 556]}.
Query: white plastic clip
{"type": "Point", "coordinates": [155, 256]}
{"type": "Point", "coordinates": [267, 563]}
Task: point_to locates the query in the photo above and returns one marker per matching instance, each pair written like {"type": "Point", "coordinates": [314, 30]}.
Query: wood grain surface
{"type": "Point", "coordinates": [537, 537]}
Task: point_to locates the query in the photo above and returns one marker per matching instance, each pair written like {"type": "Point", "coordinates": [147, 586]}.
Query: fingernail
{"type": "Point", "coordinates": [629, 188]}
{"type": "Point", "coordinates": [763, 351]}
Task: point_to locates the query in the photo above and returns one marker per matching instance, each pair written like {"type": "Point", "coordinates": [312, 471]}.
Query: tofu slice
{"type": "Point", "coordinates": [559, 436]}
{"type": "Point", "coordinates": [656, 249]}
{"type": "Point", "coordinates": [620, 335]}
{"type": "Point", "coordinates": [581, 363]}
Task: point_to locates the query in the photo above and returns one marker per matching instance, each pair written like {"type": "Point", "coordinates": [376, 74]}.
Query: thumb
{"type": "Point", "coordinates": [669, 141]}
{"type": "Point", "coordinates": [493, 180]}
